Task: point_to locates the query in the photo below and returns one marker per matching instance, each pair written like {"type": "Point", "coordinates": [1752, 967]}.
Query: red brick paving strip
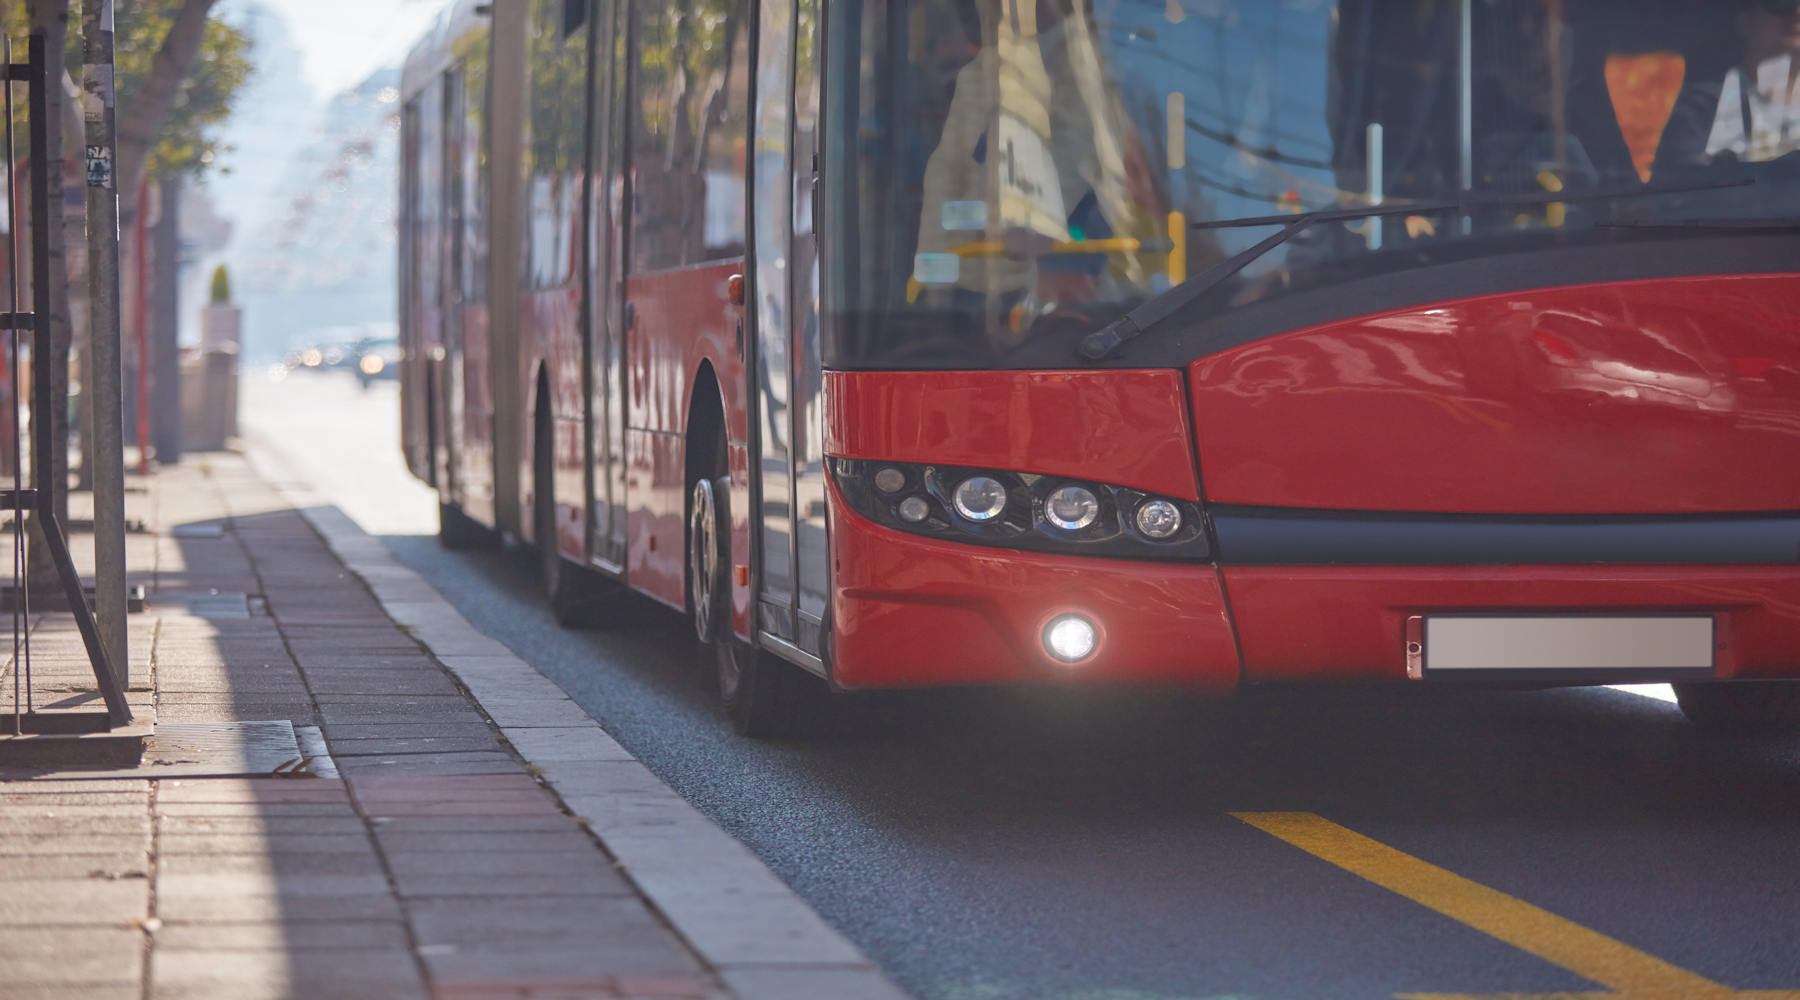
{"type": "Point", "coordinates": [436, 868]}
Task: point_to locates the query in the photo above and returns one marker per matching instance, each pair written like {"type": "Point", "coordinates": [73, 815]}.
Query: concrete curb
{"type": "Point", "coordinates": [764, 941]}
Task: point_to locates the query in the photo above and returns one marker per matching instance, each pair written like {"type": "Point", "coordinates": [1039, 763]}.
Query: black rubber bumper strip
{"type": "Point", "coordinates": [1278, 536]}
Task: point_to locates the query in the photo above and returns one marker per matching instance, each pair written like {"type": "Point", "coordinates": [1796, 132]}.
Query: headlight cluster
{"type": "Point", "coordinates": [1022, 510]}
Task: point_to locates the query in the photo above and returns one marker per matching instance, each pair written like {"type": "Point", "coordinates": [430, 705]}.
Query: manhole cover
{"type": "Point", "coordinates": [222, 749]}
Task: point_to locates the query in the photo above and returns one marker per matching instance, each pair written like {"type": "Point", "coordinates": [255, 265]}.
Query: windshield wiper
{"type": "Point", "coordinates": [1098, 345]}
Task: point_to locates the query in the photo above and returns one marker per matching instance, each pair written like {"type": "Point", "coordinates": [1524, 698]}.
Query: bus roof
{"type": "Point", "coordinates": [440, 43]}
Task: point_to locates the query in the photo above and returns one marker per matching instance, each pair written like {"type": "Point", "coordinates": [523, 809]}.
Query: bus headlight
{"type": "Point", "coordinates": [980, 498]}
{"type": "Point", "coordinates": [1158, 519]}
{"type": "Point", "coordinates": [1072, 508]}
{"type": "Point", "coordinates": [912, 510]}
{"type": "Point", "coordinates": [1023, 511]}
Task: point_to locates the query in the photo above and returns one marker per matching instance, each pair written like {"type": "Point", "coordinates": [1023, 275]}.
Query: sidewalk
{"type": "Point", "coordinates": [466, 831]}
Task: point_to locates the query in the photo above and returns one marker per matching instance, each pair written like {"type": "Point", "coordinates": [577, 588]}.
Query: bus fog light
{"type": "Point", "coordinates": [1072, 508]}
{"type": "Point", "coordinates": [890, 480]}
{"type": "Point", "coordinates": [1070, 638]}
{"type": "Point", "coordinates": [914, 509]}
{"type": "Point", "coordinates": [980, 498]}
{"type": "Point", "coordinates": [1158, 519]}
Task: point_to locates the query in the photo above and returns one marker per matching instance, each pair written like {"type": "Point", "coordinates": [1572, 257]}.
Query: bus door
{"type": "Point", "coordinates": [790, 467]}
{"type": "Point", "coordinates": [456, 181]}
{"type": "Point", "coordinates": [605, 424]}
{"type": "Point", "coordinates": [812, 562]}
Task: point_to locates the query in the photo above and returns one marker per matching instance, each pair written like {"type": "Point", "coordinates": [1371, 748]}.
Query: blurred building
{"type": "Point", "coordinates": [308, 187]}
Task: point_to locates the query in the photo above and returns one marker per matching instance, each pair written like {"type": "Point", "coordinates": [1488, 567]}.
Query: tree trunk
{"type": "Point", "coordinates": [165, 367]}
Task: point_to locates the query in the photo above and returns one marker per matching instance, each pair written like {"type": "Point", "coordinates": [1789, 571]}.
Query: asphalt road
{"type": "Point", "coordinates": [1349, 842]}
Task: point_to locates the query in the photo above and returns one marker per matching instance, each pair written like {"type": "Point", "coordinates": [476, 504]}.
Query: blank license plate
{"type": "Point", "coordinates": [1568, 645]}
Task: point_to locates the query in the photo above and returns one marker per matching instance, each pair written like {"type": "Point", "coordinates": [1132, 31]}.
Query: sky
{"type": "Point", "coordinates": [342, 41]}
{"type": "Point", "coordinates": [278, 151]}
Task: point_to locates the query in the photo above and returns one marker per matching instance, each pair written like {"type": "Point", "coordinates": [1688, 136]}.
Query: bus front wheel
{"type": "Point", "coordinates": [763, 696]}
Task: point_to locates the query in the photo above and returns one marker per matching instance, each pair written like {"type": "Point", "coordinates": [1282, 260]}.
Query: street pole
{"type": "Point", "coordinates": [105, 379]}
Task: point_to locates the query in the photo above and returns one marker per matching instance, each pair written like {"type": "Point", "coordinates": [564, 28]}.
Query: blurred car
{"type": "Point", "coordinates": [377, 358]}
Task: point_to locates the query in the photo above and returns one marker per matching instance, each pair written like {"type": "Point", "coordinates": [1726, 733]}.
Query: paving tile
{"type": "Point", "coordinates": [546, 823]}
{"type": "Point", "coordinates": [341, 747]}
{"type": "Point", "coordinates": [74, 991]}
{"type": "Point", "coordinates": [70, 823]}
{"type": "Point", "coordinates": [252, 790]}
{"type": "Point", "coordinates": [276, 935]}
{"type": "Point", "coordinates": [176, 889]}
{"type": "Point", "coordinates": [408, 730]}
{"type": "Point", "coordinates": [281, 866]}
{"type": "Point", "coordinates": [269, 810]}
{"type": "Point", "coordinates": [249, 909]}
{"type": "Point", "coordinates": [77, 901]}
{"type": "Point", "coordinates": [65, 866]}
{"type": "Point", "coordinates": [381, 682]}
{"type": "Point", "coordinates": [391, 974]}
{"type": "Point", "coordinates": [11, 797]}
{"type": "Point", "coordinates": [91, 956]}
{"type": "Point", "coordinates": [53, 787]}
{"type": "Point", "coordinates": [61, 844]}
{"type": "Point", "coordinates": [256, 823]}
{"type": "Point", "coordinates": [584, 860]}
{"type": "Point", "coordinates": [462, 714]}
{"type": "Point", "coordinates": [426, 704]}
{"type": "Point", "coordinates": [394, 841]}
{"type": "Point", "coordinates": [370, 787]}
{"type": "Point", "coordinates": [293, 712]}
{"type": "Point", "coordinates": [476, 762]}
{"type": "Point", "coordinates": [173, 844]}
{"type": "Point", "coordinates": [584, 884]}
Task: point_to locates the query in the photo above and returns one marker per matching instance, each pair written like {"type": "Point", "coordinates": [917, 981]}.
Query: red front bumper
{"type": "Point", "coordinates": [916, 612]}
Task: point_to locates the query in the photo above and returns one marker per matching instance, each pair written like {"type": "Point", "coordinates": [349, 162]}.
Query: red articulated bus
{"type": "Point", "coordinates": [1202, 342]}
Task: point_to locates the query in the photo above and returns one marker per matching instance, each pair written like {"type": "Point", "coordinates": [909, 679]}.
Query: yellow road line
{"type": "Point", "coordinates": [1589, 954]}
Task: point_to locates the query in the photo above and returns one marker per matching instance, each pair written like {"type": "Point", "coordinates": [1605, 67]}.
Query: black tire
{"type": "Point", "coordinates": [457, 530]}
{"type": "Point", "coordinates": [763, 696]}
{"type": "Point", "coordinates": [1742, 708]}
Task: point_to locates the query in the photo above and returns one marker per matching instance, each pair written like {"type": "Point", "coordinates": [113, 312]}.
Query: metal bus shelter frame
{"type": "Point", "coordinates": [40, 500]}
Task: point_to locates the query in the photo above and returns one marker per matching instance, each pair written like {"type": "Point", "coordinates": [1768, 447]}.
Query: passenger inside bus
{"type": "Point", "coordinates": [1037, 185]}
{"type": "Point", "coordinates": [1751, 113]}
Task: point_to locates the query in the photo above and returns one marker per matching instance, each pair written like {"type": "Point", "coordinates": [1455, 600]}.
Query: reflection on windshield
{"type": "Point", "coordinates": [1026, 170]}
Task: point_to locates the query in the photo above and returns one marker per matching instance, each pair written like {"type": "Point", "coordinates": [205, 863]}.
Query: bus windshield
{"type": "Point", "coordinates": [1008, 175]}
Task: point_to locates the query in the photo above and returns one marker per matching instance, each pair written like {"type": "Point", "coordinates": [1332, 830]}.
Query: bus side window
{"type": "Point", "coordinates": [688, 132]}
